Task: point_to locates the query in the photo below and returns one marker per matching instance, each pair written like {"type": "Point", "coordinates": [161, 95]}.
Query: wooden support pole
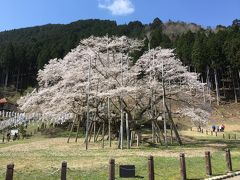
{"type": "Point", "coordinates": [119, 139]}
{"type": "Point", "coordinates": [138, 138]}
{"type": "Point", "coordinates": [208, 163]}
{"type": "Point", "coordinates": [64, 170]}
{"type": "Point", "coordinates": [109, 124]}
{"type": "Point", "coordinates": [3, 138]}
{"type": "Point", "coordinates": [121, 125]}
{"type": "Point", "coordinates": [158, 131]}
{"type": "Point", "coordinates": [229, 136]}
{"type": "Point", "coordinates": [150, 168]}
{"type": "Point", "coordinates": [90, 132]}
{"type": "Point", "coordinates": [228, 160]}
{"type": "Point", "coordinates": [153, 132]}
{"type": "Point", "coordinates": [69, 136]}
{"type": "Point", "coordinates": [99, 129]}
{"type": "Point", "coordinates": [223, 136]}
{"type": "Point", "coordinates": [183, 167]}
{"type": "Point", "coordinates": [103, 134]}
{"type": "Point", "coordinates": [206, 132]}
{"type": "Point", "coordinates": [202, 130]}
{"type": "Point", "coordinates": [9, 173]}
{"type": "Point", "coordinates": [94, 131]}
{"type": "Point", "coordinates": [111, 169]}
{"type": "Point", "coordinates": [216, 133]}
{"type": "Point", "coordinates": [131, 141]}
{"type": "Point", "coordinates": [173, 125]}
{"type": "Point", "coordinates": [235, 136]}
{"type": "Point", "coordinates": [78, 128]}
{"type": "Point", "coordinates": [127, 132]}
{"type": "Point", "coordinates": [157, 137]}
{"type": "Point", "coordinates": [211, 133]}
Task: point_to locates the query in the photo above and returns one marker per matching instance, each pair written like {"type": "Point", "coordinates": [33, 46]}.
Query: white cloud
{"type": "Point", "coordinates": [117, 7]}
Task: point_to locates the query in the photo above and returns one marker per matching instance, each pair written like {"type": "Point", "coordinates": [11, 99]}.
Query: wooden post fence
{"type": "Point", "coordinates": [208, 163]}
{"type": "Point", "coordinates": [216, 133]}
{"type": "Point", "coordinates": [223, 136]}
{"type": "Point", "coordinates": [111, 169]}
{"type": "Point", "coordinates": [151, 174]}
{"type": "Point", "coordinates": [9, 173]}
{"type": "Point", "coordinates": [228, 160]}
{"type": "Point", "coordinates": [229, 136]}
{"type": "Point", "coordinates": [150, 168]}
{"type": "Point", "coordinates": [64, 170]}
{"type": "Point", "coordinates": [183, 167]}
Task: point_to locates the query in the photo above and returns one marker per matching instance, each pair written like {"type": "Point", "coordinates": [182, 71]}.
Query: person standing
{"type": "Point", "coordinates": [213, 128]}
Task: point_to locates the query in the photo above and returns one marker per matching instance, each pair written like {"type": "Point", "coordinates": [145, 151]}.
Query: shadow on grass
{"type": "Point", "coordinates": [135, 177]}
{"type": "Point", "coordinates": [139, 177]}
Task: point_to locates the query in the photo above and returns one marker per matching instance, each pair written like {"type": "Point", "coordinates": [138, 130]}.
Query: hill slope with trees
{"type": "Point", "coordinates": [214, 53]}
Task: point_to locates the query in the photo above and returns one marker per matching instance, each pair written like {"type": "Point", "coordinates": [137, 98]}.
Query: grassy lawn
{"type": "Point", "coordinates": [40, 158]}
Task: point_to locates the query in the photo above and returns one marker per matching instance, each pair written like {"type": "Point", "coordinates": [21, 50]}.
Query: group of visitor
{"type": "Point", "coordinates": [218, 128]}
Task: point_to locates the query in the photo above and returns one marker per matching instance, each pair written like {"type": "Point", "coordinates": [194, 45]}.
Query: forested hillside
{"type": "Point", "coordinates": [214, 53]}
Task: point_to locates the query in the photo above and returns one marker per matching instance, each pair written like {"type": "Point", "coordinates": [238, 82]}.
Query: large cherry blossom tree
{"type": "Point", "coordinates": [98, 80]}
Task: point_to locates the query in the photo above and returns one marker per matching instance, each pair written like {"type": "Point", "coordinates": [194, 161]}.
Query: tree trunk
{"type": "Point", "coordinates": [238, 82]}
{"type": "Point", "coordinates": [204, 97]}
{"type": "Point", "coordinates": [238, 85]}
{"type": "Point", "coordinates": [208, 84]}
{"type": "Point", "coordinates": [6, 78]}
{"type": "Point", "coordinates": [224, 91]}
{"type": "Point", "coordinates": [2, 77]}
{"type": "Point", "coordinates": [217, 88]}
{"type": "Point", "coordinates": [234, 87]}
{"type": "Point", "coordinates": [21, 81]}
{"type": "Point", "coordinates": [18, 74]}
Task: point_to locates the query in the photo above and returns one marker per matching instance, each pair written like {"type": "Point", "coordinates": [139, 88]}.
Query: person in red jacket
{"type": "Point", "coordinates": [222, 127]}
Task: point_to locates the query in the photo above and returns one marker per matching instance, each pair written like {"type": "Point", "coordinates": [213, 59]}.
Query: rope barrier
{"type": "Point", "coordinates": [223, 136]}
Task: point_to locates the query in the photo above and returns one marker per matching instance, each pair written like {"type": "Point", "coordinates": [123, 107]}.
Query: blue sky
{"type": "Point", "coordinates": [24, 13]}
